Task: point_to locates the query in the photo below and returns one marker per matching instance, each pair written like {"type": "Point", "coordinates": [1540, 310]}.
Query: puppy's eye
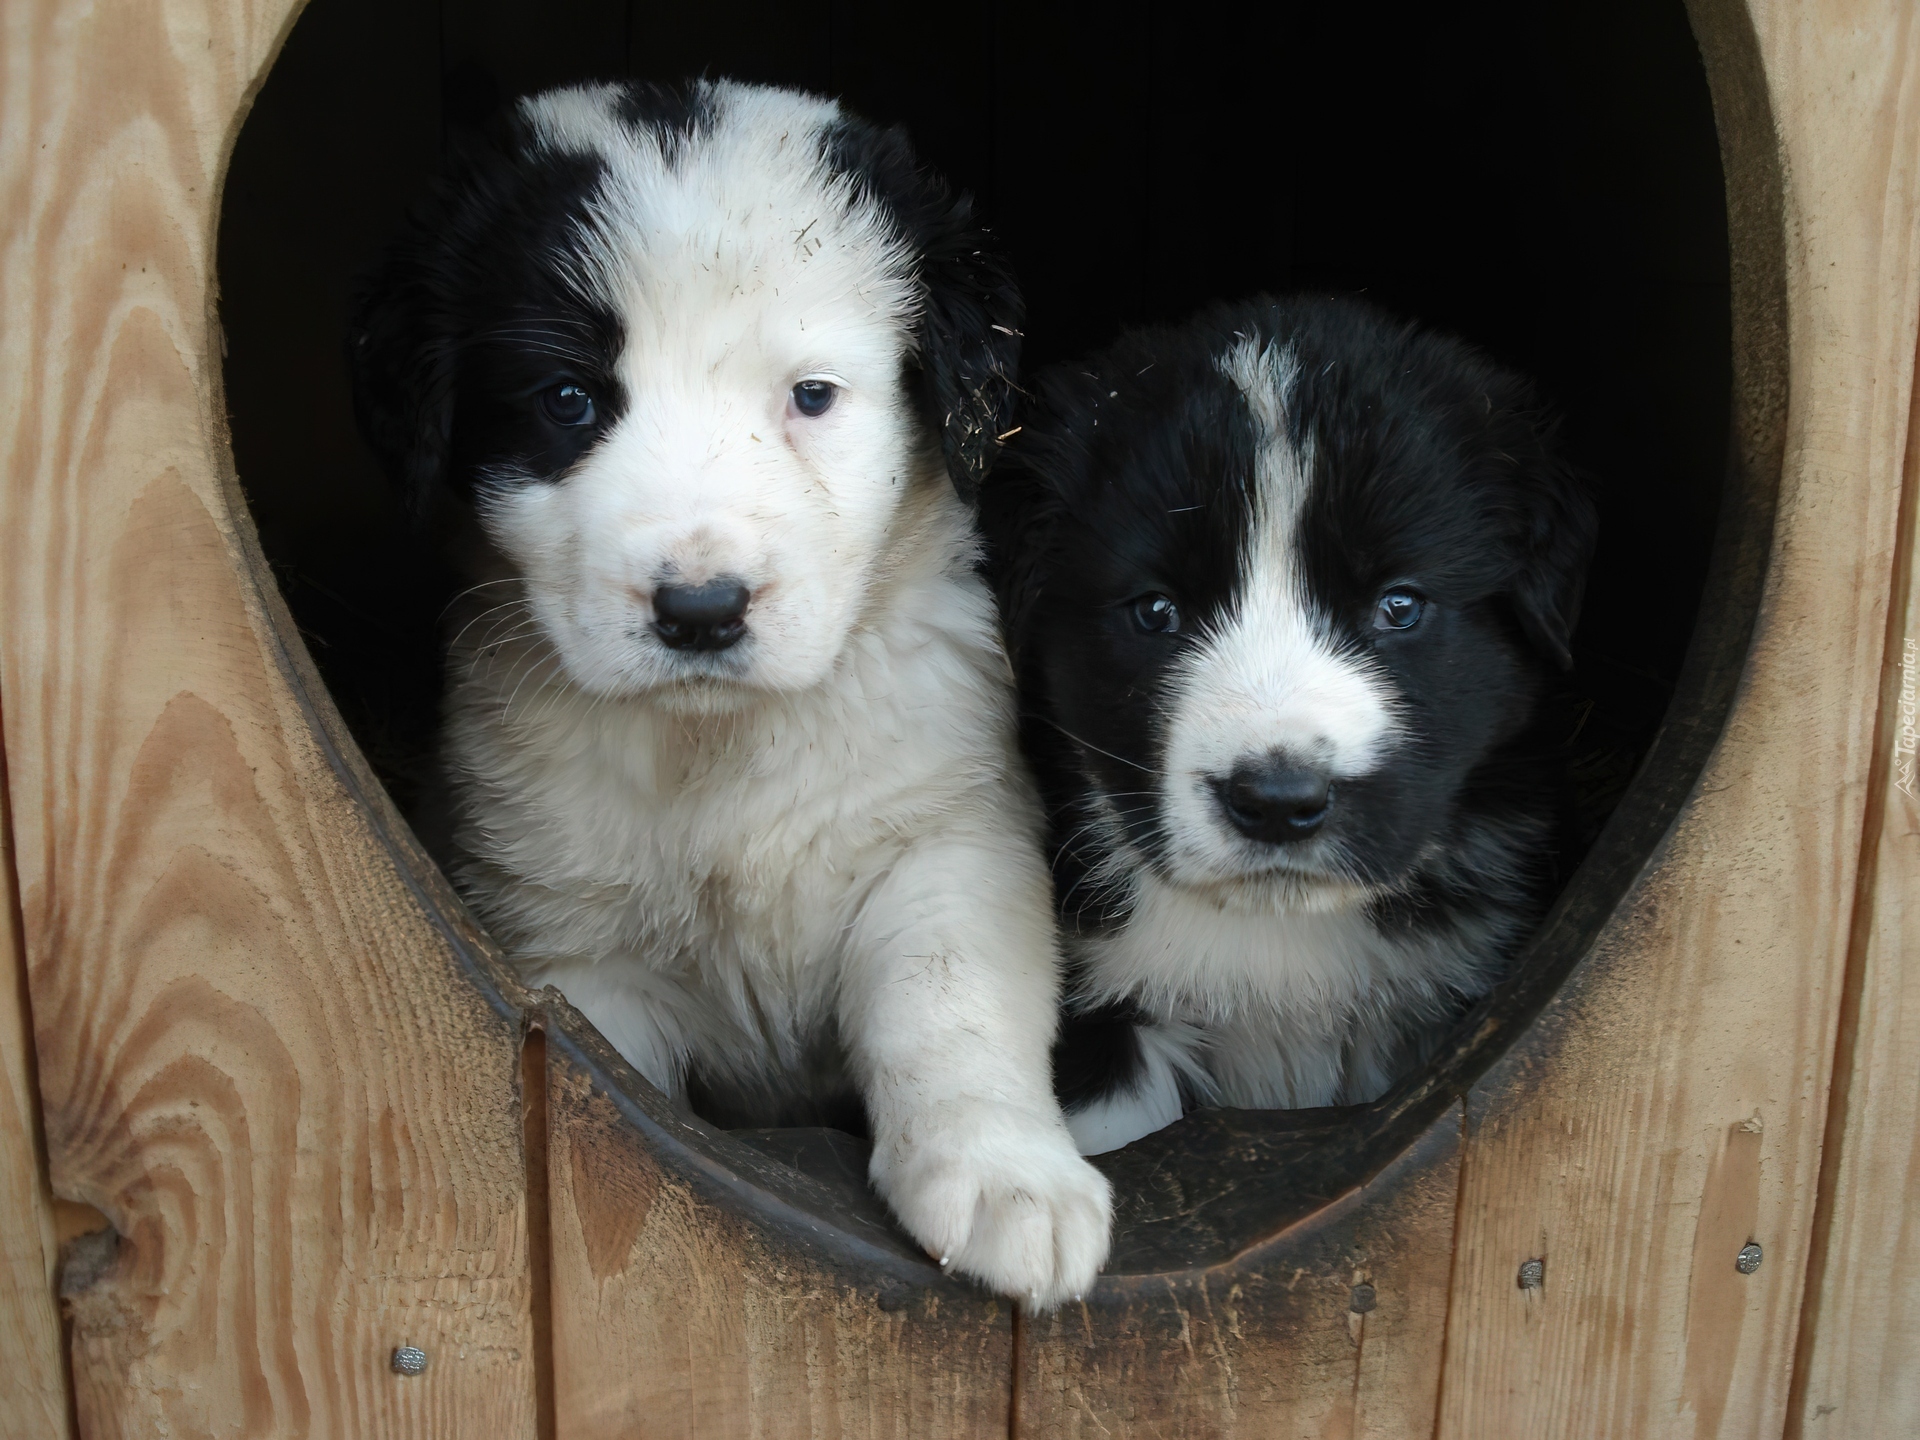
{"type": "Point", "coordinates": [814, 397]}
{"type": "Point", "coordinates": [1398, 610]}
{"type": "Point", "coordinates": [567, 404]}
{"type": "Point", "coordinates": [1156, 613]}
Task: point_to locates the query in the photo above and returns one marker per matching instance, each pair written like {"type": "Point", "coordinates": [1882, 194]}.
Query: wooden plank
{"type": "Point", "coordinates": [1669, 1105]}
{"type": "Point", "coordinates": [1277, 1341]}
{"type": "Point", "coordinates": [701, 1291]}
{"type": "Point", "coordinates": [1860, 1329]}
{"type": "Point", "coordinates": [37, 1405]}
{"type": "Point", "coordinates": [262, 1055]}
{"type": "Point", "coordinates": [270, 1070]}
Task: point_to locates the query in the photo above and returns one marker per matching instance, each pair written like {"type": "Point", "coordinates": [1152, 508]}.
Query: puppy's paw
{"type": "Point", "coordinates": [1001, 1195]}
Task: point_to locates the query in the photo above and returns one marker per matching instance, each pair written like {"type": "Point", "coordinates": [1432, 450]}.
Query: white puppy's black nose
{"type": "Point", "coordinates": [701, 617]}
{"type": "Point", "coordinates": [1272, 800]}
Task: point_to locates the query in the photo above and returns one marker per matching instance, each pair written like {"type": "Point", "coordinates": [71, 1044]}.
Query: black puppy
{"type": "Point", "coordinates": [1283, 586]}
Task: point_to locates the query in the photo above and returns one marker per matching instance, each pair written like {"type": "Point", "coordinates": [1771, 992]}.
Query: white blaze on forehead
{"type": "Point", "coordinates": [747, 219]}
{"type": "Point", "coordinates": [737, 264]}
{"type": "Point", "coordinates": [1272, 678]}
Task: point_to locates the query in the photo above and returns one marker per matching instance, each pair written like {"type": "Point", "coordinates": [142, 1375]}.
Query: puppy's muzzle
{"type": "Point", "coordinates": [1275, 801]}
{"type": "Point", "coordinates": [712, 616]}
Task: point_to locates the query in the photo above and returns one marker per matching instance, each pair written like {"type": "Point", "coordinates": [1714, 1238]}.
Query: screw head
{"type": "Point", "coordinates": [1533, 1274]}
{"type": "Point", "coordinates": [409, 1360]}
{"type": "Point", "coordinates": [1748, 1260]}
{"type": "Point", "coordinates": [1364, 1299]}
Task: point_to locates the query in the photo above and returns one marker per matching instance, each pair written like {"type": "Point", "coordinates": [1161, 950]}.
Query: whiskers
{"type": "Point", "coordinates": [507, 630]}
{"type": "Point", "coordinates": [1106, 879]}
{"type": "Point", "coordinates": [545, 664]}
{"type": "Point", "coordinates": [1087, 744]}
{"type": "Point", "coordinates": [584, 350]}
{"type": "Point", "coordinates": [447, 609]}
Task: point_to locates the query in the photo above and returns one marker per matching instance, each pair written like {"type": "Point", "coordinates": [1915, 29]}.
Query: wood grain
{"type": "Point", "coordinates": [260, 1055]}
{"type": "Point", "coordinates": [1860, 1329]}
{"type": "Point", "coordinates": [272, 1055]}
{"type": "Point", "coordinates": [37, 1406]}
{"type": "Point", "coordinates": [1669, 1105]}
{"type": "Point", "coordinates": [700, 1290]}
{"type": "Point", "coordinates": [1273, 1342]}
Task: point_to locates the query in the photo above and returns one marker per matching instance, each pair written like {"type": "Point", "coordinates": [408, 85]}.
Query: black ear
{"type": "Point", "coordinates": [1560, 526]}
{"type": "Point", "coordinates": [404, 335]}
{"type": "Point", "coordinates": [1024, 505]}
{"type": "Point", "coordinates": [401, 356]}
{"type": "Point", "coordinates": [1018, 513]}
{"type": "Point", "coordinates": [968, 340]}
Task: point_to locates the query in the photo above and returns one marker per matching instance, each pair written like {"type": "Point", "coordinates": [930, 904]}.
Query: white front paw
{"type": "Point", "coordinates": [999, 1194]}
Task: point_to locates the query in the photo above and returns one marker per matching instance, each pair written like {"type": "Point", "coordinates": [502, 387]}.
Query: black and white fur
{"type": "Point", "coordinates": [1283, 586]}
{"type": "Point", "coordinates": [730, 732]}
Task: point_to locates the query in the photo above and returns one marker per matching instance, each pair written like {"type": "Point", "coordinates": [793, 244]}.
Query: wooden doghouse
{"type": "Point", "coordinates": [272, 1111]}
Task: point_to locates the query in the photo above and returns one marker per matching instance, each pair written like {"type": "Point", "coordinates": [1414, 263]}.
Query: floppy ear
{"type": "Point", "coordinates": [967, 341]}
{"type": "Point", "coordinates": [404, 337]}
{"type": "Point", "coordinates": [1561, 524]}
{"type": "Point", "coordinates": [1018, 511]}
{"type": "Point", "coordinates": [401, 356]}
{"type": "Point", "coordinates": [969, 349]}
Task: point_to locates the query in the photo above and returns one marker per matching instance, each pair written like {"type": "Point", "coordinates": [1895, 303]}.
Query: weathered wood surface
{"type": "Point", "coordinates": [1333, 1327]}
{"type": "Point", "coordinates": [263, 1057]}
{"type": "Point", "coordinates": [258, 1055]}
{"type": "Point", "coordinates": [1670, 1105]}
{"type": "Point", "coordinates": [35, 1384]}
{"type": "Point", "coordinates": [1858, 1369]}
{"type": "Point", "coordinates": [679, 1310]}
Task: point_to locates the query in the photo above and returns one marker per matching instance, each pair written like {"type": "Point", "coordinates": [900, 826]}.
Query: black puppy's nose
{"type": "Point", "coordinates": [1274, 801]}
{"type": "Point", "coordinates": [701, 617]}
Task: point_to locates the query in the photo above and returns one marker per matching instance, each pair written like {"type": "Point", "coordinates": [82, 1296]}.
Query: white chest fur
{"type": "Point", "coordinates": [689, 879]}
{"type": "Point", "coordinates": [1271, 1008]}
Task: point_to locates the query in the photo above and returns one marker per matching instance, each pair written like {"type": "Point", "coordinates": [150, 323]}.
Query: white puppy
{"type": "Point", "coordinates": [730, 732]}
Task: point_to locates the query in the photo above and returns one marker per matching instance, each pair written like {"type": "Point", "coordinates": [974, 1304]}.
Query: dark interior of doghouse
{"type": "Point", "coordinates": [1542, 179]}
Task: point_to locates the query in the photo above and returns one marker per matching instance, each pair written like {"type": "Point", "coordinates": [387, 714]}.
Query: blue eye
{"type": "Point", "coordinates": [567, 404]}
{"type": "Point", "coordinates": [1398, 610]}
{"type": "Point", "coordinates": [814, 397]}
{"type": "Point", "coordinates": [1156, 613]}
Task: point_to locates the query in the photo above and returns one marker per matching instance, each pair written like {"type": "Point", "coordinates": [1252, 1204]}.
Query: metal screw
{"type": "Point", "coordinates": [1533, 1274]}
{"type": "Point", "coordinates": [1748, 1260]}
{"type": "Point", "coordinates": [1364, 1299]}
{"type": "Point", "coordinates": [409, 1360]}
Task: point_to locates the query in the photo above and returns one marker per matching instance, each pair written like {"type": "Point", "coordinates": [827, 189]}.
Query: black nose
{"type": "Point", "coordinates": [701, 617]}
{"type": "Point", "coordinates": [1276, 802]}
